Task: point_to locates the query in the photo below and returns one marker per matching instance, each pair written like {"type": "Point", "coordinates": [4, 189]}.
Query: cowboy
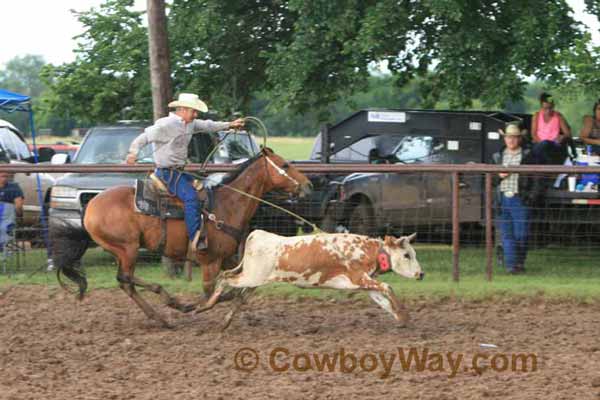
{"type": "Point", "coordinates": [515, 195]}
{"type": "Point", "coordinates": [171, 136]}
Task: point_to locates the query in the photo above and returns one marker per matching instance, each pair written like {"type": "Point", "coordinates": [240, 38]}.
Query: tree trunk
{"type": "Point", "coordinates": [158, 48]}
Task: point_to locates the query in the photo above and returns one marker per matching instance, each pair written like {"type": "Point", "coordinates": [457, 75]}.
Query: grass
{"type": "Point", "coordinates": [290, 148]}
{"type": "Point", "coordinates": [564, 274]}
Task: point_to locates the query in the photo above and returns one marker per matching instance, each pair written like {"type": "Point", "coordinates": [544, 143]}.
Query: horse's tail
{"type": "Point", "coordinates": [68, 243]}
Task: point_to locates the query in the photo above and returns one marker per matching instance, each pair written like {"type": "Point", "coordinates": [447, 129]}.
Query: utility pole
{"type": "Point", "coordinates": [160, 79]}
{"type": "Point", "coordinates": [160, 68]}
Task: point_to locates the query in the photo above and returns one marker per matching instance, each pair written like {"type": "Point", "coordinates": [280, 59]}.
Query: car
{"type": "Point", "coordinates": [59, 148]}
{"type": "Point", "coordinates": [110, 144]}
{"type": "Point", "coordinates": [14, 150]}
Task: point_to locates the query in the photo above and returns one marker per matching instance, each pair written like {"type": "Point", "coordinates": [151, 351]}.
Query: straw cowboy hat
{"type": "Point", "coordinates": [512, 130]}
{"type": "Point", "coordinates": [189, 100]}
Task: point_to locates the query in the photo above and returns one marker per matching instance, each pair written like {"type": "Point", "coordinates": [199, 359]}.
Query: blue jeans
{"type": "Point", "coordinates": [514, 229]}
{"type": "Point", "coordinates": [180, 184]}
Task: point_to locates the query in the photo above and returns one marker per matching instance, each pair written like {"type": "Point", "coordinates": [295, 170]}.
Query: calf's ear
{"type": "Point", "coordinates": [412, 237]}
{"type": "Point", "coordinates": [402, 241]}
{"type": "Point", "coordinates": [389, 240]}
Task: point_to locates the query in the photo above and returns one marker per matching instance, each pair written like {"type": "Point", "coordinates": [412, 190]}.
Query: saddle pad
{"type": "Point", "coordinates": [148, 201]}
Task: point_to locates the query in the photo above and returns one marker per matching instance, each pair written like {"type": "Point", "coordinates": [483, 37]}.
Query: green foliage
{"type": "Point", "coordinates": [21, 75]}
{"type": "Point", "coordinates": [555, 273]}
{"type": "Point", "coordinates": [219, 48]}
{"type": "Point", "coordinates": [300, 63]}
{"type": "Point", "coordinates": [462, 49]}
{"type": "Point", "coordinates": [109, 80]}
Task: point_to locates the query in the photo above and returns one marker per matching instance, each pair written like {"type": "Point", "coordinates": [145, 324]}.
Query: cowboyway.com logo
{"type": "Point", "coordinates": [383, 363]}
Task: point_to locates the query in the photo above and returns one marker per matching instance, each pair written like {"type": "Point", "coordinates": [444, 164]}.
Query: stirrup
{"type": "Point", "coordinates": [200, 241]}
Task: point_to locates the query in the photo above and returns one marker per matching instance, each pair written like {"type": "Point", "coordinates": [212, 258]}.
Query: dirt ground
{"type": "Point", "coordinates": [52, 347]}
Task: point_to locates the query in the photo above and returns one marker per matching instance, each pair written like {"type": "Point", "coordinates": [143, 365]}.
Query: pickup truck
{"type": "Point", "coordinates": [109, 145]}
{"type": "Point", "coordinates": [377, 202]}
{"type": "Point", "coordinates": [373, 203]}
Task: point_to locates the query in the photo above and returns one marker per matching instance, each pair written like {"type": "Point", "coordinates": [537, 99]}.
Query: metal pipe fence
{"type": "Point", "coordinates": [455, 209]}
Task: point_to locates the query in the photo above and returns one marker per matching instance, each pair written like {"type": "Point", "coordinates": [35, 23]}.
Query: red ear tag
{"type": "Point", "coordinates": [383, 259]}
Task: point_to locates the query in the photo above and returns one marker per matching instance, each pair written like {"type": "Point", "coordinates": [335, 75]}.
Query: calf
{"type": "Point", "coordinates": [337, 261]}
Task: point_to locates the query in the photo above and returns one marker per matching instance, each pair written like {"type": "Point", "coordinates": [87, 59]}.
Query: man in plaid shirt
{"type": "Point", "coordinates": [514, 195]}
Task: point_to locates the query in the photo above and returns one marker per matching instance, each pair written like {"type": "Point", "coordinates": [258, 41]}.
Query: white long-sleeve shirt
{"type": "Point", "coordinates": [171, 137]}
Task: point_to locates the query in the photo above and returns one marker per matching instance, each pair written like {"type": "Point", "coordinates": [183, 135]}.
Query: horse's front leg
{"type": "Point", "coordinates": [210, 271]}
{"type": "Point", "coordinates": [168, 299]}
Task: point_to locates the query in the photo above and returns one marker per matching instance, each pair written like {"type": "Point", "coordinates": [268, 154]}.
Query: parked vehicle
{"type": "Point", "coordinates": [110, 144]}
{"type": "Point", "coordinates": [377, 202]}
{"type": "Point", "coordinates": [14, 150]}
{"type": "Point", "coordinates": [59, 148]}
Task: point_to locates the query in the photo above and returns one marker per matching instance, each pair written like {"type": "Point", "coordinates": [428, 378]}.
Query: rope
{"type": "Point", "coordinates": [316, 229]}
{"type": "Point", "coordinates": [262, 126]}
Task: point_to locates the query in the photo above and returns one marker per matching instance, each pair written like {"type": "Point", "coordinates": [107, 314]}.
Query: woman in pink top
{"type": "Point", "coordinates": [549, 132]}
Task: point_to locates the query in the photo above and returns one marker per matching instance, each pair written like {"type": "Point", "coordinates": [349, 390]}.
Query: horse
{"type": "Point", "coordinates": [111, 221]}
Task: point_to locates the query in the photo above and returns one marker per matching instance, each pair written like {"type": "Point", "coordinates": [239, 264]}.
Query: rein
{"type": "Point", "coordinates": [279, 170]}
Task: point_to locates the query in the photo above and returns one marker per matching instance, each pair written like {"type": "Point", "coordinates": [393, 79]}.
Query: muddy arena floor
{"type": "Point", "coordinates": [53, 347]}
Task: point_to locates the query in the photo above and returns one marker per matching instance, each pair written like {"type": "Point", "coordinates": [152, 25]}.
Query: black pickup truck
{"type": "Point", "coordinates": [371, 203]}
{"type": "Point", "coordinates": [374, 203]}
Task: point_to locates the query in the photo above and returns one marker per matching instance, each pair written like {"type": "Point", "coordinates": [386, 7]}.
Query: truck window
{"type": "Point", "coordinates": [414, 149]}
{"type": "Point", "coordinates": [110, 146]}
{"type": "Point", "coordinates": [235, 147]}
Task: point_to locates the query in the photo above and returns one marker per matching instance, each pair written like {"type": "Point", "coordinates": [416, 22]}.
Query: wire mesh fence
{"type": "Point", "coordinates": [462, 216]}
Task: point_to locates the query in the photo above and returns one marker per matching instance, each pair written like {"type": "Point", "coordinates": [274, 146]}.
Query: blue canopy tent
{"type": "Point", "coordinates": [12, 102]}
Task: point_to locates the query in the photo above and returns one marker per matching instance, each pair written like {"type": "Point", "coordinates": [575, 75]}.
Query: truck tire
{"type": "Point", "coordinates": [328, 222]}
{"type": "Point", "coordinates": [361, 220]}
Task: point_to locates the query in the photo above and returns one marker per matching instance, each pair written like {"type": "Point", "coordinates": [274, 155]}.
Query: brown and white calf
{"type": "Point", "coordinates": [325, 260]}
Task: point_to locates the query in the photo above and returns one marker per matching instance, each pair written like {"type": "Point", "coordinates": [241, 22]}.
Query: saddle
{"type": "Point", "coordinates": [153, 198]}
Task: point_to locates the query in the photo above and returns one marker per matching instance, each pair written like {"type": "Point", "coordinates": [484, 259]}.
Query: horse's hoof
{"type": "Point", "coordinates": [186, 308]}
{"type": "Point", "coordinates": [167, 325]}
{"type": "Point", "coordinates": [228, 319]}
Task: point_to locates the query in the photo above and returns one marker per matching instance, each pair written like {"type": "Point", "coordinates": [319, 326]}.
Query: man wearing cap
{"type": "Point", "coordinates": [171, 136]}
{"type": "Point", "coordinates": [514, 195]}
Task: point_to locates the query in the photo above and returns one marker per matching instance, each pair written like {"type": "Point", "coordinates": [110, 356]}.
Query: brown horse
{"type": "Point", "coordinates": [112, 222]}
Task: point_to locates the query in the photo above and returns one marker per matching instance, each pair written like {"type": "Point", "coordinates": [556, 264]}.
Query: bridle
{"type": "Point", "coordinates": [282, 171]}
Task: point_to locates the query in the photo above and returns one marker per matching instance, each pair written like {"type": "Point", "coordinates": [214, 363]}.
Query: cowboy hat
{"type": "Point", "coordinates": [189, 100]}
{"type": "Point", "coordinates": [512, 130]}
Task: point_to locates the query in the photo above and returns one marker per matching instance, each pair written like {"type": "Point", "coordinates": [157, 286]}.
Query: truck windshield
{"type": "Point", "coordinates": [110, 146]}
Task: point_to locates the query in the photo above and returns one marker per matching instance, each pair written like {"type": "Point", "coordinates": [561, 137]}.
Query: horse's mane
{"type": "Point", "coordinates": [240, 169]}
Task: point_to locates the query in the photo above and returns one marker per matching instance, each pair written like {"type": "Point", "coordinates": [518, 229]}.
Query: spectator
{"type": "Point", "coordinates": [515, 195]}
{"type": "Point", "coordinates": [11, 192]}
{"type": "Point", "coordinates": [590, 132]}
{"type": "Point", "coordinates": [550, 132]}
{"type": "Point", "coordinates": [11, 203]}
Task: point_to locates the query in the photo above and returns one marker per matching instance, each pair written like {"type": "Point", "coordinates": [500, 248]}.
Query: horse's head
{"type": "Point", "coordinates": [285, 176]}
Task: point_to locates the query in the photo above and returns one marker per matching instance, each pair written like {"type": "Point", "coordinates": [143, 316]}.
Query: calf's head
{"type": "Point", "coordinates": [403, 256]}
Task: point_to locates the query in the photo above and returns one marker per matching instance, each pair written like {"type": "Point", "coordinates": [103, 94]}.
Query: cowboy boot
{"type": "Point", "coordinates": [200, 241]}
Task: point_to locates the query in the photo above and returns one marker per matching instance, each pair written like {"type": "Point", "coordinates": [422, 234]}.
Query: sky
{"type": "Point", "coordinates": [47, 27]}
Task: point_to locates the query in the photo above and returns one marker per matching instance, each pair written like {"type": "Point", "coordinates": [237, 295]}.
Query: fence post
{"type": "Point", "coordinates": [489, 238]}
{"type": "Point", "coordinates": [455, 225]}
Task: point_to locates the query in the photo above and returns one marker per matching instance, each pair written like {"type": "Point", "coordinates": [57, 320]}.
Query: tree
{"type": "Point", "coordinates": [305, 55]}
{"type": "Point", "coordinates": [109, 80]}
{"type": "Point", "coordinates": [462, 49]}
{"type": "Point", "coordinates": [21, 75]}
